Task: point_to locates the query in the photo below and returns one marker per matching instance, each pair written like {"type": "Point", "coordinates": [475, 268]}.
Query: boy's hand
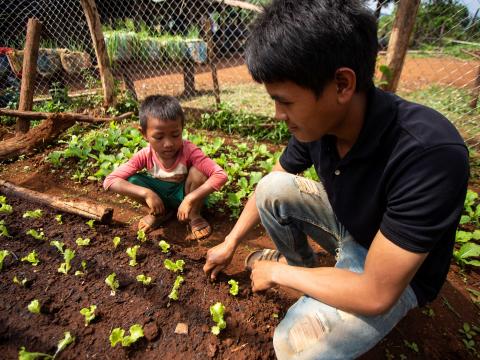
{"type": "Point", "coordinates": [155, 203]}
{"type": "Point", "coordinates": [184, 209]}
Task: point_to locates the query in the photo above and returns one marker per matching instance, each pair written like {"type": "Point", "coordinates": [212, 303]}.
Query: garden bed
{"type": "Point", "coordinates": [251, 318]}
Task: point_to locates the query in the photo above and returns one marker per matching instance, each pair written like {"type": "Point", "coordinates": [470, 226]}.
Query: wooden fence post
{"type": "Point", "coordinates": [207, 28]}
{"type": "Point", "coordinates": [29, 72]}
{"type": "Point", "coordinates": [398, 43]}
{"type": "Point", "coordinates": [93, 20]}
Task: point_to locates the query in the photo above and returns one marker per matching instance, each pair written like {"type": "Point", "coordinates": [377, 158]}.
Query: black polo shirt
{"type": "Point", "coordinates": [406, 175]}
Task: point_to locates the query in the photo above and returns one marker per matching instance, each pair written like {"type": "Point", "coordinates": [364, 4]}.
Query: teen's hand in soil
{"type": "Point", "coordinates": [184, 209]}
{"type": "Point", "coordinates": [155, 204]}
{"type": "Point", "coordinates": [218, 259]}
{"type": "Point", "coordinates": [262, 275]}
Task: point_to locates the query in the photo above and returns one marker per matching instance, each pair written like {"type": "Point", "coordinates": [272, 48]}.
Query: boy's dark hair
{"type": "Point", "coordinates": [306, 41]}
{"type": "Point", "coordinates": [162, 107]}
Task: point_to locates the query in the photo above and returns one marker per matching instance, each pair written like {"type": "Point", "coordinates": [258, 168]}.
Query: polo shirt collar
{"type": "Point", "coordinates": [380, 114]}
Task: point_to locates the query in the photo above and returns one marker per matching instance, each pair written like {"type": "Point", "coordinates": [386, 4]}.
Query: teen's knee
{"type": "Point", "coordinates": [276, 187]}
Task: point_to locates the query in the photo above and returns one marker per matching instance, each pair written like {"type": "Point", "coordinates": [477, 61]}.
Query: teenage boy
{"type": "Point", "coordinates": [393, 177]}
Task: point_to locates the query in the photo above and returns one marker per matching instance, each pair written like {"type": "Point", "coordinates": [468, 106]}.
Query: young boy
{"type": "Point", "coordinates": [393, 177]}
{"type": "Point", "coordinates": [179, 175]}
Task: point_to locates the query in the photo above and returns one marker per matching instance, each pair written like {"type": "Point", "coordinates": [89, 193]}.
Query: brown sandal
{"type": "Point", "coordinates": [261, 255]}
{"type": "Point", "coordinates": [196, 225]}
{"type": "Point", "coordinates": [154, 222]}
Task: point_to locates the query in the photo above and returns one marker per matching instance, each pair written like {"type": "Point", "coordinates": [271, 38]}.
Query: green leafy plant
{"type": "Point", "coordinates": [112, 281]}
{"type": "Point", "coordinates": [5, 208]}
{"type": "Point", "coordinates": [18, 282]}
{"type": "Point", "coordinates": [89, 313]}
{"type": "Point", "coordinates": [3, 255]}
{"type": "Point", "coordinates": [217, 311]}
{"type": "Point", "coordinates": [132, 253]}
{"type": "Point", "coordinates": [467, 253]}
{"type": "Point", "coordinates": [59, 245]}
{"type": "Point", "coordinates": [59, 219]}
{"type": "Point", "coordinates": [68, 256]}
{"type": "Point", "coordinates": [118, 335]}
{"type": "Point", "coordinates": [141, 235]}
{"type": "Point", "coordinates": [90, 223]}
{"type": "Point", "coordinates": [36, 235]}
{"type": "Point", "coordinates": [233, 287]}
{"type": "Point", "coordinates": [176, 285]}
{"type": "Point", "coordinates": [82, 242]}
{"type": "Point", "coordinates": [411, 345]}
{"type": "Point", "coordinates": [145, 280]}
{"type": "Point", "coordinates": [62, 344]}
{"type": "Point", "coordinates": [116, 241]}
{"type": "Point", "coordinates": [164, 246]}
{"type": "Point", "coordinates": [34, 214]}
{"type": "Point", "coordinates": [84, 269]}
{"type": "Point", "coordinates": [32, 258]}
{"type": "Point", "coordinates": [3, 229]}
{"type": "Point", "coordinates": [174, 266]}
{"type": "Point", "coordinates": [34, 307]}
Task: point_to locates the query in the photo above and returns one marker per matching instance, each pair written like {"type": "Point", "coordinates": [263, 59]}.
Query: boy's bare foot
{"type": "Point", "coordinates": [200, 229]}
{"type": "Point", "coordinates": [151, 222]}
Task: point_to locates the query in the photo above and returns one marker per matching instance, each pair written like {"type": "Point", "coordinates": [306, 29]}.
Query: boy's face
{"type": "Point", "coordinates": [164, 136]}
{"type": "Point", "coordinates": [308, 118]}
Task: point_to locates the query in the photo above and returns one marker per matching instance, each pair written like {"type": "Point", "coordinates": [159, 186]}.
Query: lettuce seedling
{"type": "Point", "coordinates": [116, 241]}
{"type": "Point", "coordinates": [145, 280]}
{"type": "Point", "coordinates": [89, 313]}
{"type": "Point", "coordinates": [90, 223]}
{"type": "Point", "coordinates": [3, 229]}
{"type": "Point", "coordinates": [34, 214]}
{"type": "Point", "coordinates": [34, 307]}
{"type": "Point", "coordinates": [84, 268]}
{"type": "Point", "coordinates": [3, 255]}
{"type": "Point", "coordinates": [31, 258]}
{"type": "Point", "coordinates": [6, 209]}
{"type": "Point", "coordinates": [25, 355]}
{"type": "Point", "coordinates": [59, 219]}
{"type": "Point", "coordinates": [174, 266]}
{"type": "Point", "coordinates": [36, 235]}
{"type": "Point", "coordinates": [59, 245]}
{"type": "Point", "coordinates": [3, 199]}
{"type": "Point", "coordinates": [112, 281]}
{"type": "Point", "coordinates": [217, 311]}
{"type": "Point", "coordinates": [118, 335]}
{"type": "Point", "coordinates": [62, 344]}
{"type": "Point", "coordinates": [164, 246]}
{"type": "Point", "coordinates": [233, 287]}
{"type": "Point", "coordinates": [68, 256]}
{"type": "Point", "coordinates": [21, 283]}
{"type": "Point", "coordinates": [176, 285]}
{"type": "Point", "coordinates": [132, 253]}
{"type": "Point", "coordinates": [83, 242]}
{"type": "Point", "coordinates": [141, 236]}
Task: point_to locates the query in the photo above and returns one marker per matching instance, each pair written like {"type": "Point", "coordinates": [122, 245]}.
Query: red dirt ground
{"type": "Point", "coordinates": [435, 331]}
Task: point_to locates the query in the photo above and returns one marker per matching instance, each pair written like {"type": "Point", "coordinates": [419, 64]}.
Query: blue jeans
{"type": "Point", "coordinates": [292, 207]}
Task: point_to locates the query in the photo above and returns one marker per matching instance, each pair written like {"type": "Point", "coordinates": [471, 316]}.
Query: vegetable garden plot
{"type": "Point", "coordinates": [53, 280]}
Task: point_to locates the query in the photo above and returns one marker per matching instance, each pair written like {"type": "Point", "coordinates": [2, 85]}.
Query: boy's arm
{"type": "Point", "coordinates": [221, 255]}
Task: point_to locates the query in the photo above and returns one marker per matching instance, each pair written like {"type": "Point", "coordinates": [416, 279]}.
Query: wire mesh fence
{"type": "Point", "coordinates": [175, 46]}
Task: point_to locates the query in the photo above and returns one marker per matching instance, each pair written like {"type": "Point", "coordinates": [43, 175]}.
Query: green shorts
{"type": "Point", "coordinates": [172, 194]}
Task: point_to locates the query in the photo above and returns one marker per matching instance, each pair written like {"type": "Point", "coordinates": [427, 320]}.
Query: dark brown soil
{"type": "Point", "coordinates": [250, 317]}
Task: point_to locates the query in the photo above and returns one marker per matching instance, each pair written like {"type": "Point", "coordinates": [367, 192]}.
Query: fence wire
{"type": "Point", "coordinates": [162, 46]}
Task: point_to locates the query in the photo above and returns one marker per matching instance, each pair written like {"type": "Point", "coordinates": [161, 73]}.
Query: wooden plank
{"type": "Point", "coordinates": [33, 115]}
{"type": "Point", "coordinates": [78, 207]}
{"type": "Point", "coordinates": [93, 20]}
{"type": "Point", "coordinates": [398, 43]}
{"type": "Point", "coordinates": [29, 72]}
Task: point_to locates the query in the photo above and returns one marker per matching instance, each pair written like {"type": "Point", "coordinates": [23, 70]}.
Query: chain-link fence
{"type": "Point", "coordinates": [175, 46]}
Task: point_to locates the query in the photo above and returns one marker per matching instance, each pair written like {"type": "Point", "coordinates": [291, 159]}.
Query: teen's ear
{"type": "Point", "coordinates": [139, 128]}
{"type": "Point", "coordinates": [346, 81]}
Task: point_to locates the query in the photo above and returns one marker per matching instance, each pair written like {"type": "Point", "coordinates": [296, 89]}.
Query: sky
{"type": "Point", "coordinates": [472, 6]}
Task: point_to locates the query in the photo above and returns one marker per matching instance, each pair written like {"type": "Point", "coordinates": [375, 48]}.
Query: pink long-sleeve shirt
{"type": "Point", "coordinates": [189, 155]}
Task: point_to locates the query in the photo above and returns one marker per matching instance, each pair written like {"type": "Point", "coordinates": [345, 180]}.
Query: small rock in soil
{"type": "Point", "coordinates": [205, 328]}
{"type": "Point", "coordinates": [150, 331]}
{"type": "Point", "coordinates": [181, 329]}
